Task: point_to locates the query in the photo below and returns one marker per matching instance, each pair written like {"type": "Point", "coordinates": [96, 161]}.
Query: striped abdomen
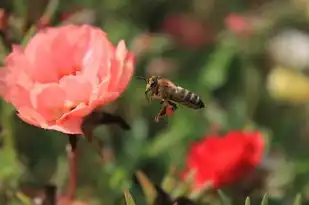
{"type": "Point", "coordinates": [185, 97]}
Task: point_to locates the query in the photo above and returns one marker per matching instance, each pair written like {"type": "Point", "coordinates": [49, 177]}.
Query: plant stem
{"type": "Point", "coordinates": [72, 159]}
{"type": "Point", "coordinates": [50, 195]}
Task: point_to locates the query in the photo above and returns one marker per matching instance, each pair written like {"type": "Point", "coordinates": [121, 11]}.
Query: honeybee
{"type": "Point", "coordinates": [170, 94]}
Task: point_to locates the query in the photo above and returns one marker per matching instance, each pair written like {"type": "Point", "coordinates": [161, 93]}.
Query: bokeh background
{"type": "Point", "coordinates": [247, 59]}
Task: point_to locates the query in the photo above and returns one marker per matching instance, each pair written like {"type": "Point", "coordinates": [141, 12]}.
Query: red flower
{"type": "Point", "coordinates": [187, 30]}
{"type": "Point", "coordinates": [224, 160]}
{"type": "Point", "coordinates": [238, 24]}
{"type": "Point", "coordinates": [4, 18]}
{"type": "Point", "coordinates": [66, 201]}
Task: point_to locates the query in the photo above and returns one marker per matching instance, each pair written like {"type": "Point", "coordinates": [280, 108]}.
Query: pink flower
{"type": "Point", "coordinates": [63, 74]}
{"type": "Point", "coordinates": [238, 24]}
{"type": "Point", "coordinates": [187, 30]}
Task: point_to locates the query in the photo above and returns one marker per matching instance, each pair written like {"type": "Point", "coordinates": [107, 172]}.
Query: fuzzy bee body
{"type": "Point", "coordinates": [170, 94]}
{"type": "Point", "coordinates": [169, 91]}
{"type": "Point", "coordinates": [164, 89]}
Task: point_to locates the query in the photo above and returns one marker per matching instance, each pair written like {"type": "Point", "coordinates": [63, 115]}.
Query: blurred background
{"type": "Point", "coordinates": [247, 59]}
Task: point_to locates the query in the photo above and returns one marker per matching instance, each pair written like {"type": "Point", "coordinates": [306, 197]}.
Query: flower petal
{"type": "Point", "coordinates": [68, 126]}
{"type": "Point", "coordinates": [77, 89]}
{"type": "Point", "coordinates": [49, 100]}
{"type": "Point", "coordinates": [32, 117]}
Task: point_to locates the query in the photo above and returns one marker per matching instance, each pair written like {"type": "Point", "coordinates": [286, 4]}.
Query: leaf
{"type": "Point", "coordinates": [28, 35]}
{"type": "Point", "coordinates": [20, 7]}
{"type": "Point", "coordinates": [298, 200]}
{"type": "Point", "coordinates": [169, 180]}
{"type": "Point", "coordinates": [265, 199]}
{"type": "Point", "coordinates": [180, 128]}
{"type": "Point", "coordinates": [23, 198]}
{"type": "Point", "coordinates": [215, 71]}
{"type": "Point", "coordinates": [147, 186]}
{"type": "Point", "coordinates": [184, 187]}
{"type": "Point", "coordinates": [223, 198]}
{"type": "Point", "coordinates": [247, 202]}
{"type": "Point", "coordinates": [197, 194]}
{"type": "Point", "coordinates": [128, 197]}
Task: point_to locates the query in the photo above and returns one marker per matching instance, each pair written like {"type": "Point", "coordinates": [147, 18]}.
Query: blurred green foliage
{"type": "Point", "coordinates": [231, 74]}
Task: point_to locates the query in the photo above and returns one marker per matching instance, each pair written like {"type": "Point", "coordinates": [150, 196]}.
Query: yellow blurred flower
{"type": "Point", "coordinates": [288, 85]}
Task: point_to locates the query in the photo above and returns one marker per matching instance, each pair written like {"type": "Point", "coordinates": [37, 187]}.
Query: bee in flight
{"type": "Point", "coordinates": [170, 94]}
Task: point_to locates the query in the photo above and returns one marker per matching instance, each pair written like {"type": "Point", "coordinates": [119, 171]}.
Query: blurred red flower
{"type": "Point", "coordinates": [238, 24]}
{"type": "Point", "coordinates": [63, 74]}
{"type": "Point", "coordinates": [66, 201]}
{"type": "Point", "coordinates": [187, 30]}
{"type": "Point", "coordinates": [4, 17]}
{"type": "Point", "coordinates": [225, 160]}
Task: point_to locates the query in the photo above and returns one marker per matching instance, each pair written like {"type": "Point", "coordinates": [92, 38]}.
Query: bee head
{"type": "Point", "coordinates": [152, 82]}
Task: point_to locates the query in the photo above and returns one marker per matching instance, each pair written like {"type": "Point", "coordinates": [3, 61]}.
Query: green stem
{"type": "Point", "coordinates": [7, 122]}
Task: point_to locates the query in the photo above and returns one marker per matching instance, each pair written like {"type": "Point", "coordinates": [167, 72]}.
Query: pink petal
{"type": "Point", "coordinates": [102, 89]}
{"type": "Point", "coordinates": [82, 46]}
{"type": "Point", "coordinates": [69, 126]}
{"type": "Point", "coordinates": [81, 110]}
{"type": "Point", "coordinates": [91, 59]}
{"type": "Point", "coordinates": [127, 73]}
{"type": "Point", "coordinates": [105, 99]}
{"type": "Point", "coordinates": [104, 95]}
{"type": "Point", "coordinates": [32, 117]}
{"type": "Point", "coordinates": [105, 64]}
{"type": "Point", "coordinates": [38, 53]}
{"type": "Point", "coordinates": [117, 65]}
{"type": "Point", "coordinates": [77, 89]}
{"type": "Point", "coordinates": [48, 100]}
{"type": "Point", "coordinates": [19, 96]}
{"type": "Point", "coordinates": [63, 55]}
{"type": "Point", "coordinates": [17, 51]}
{"type": "Point", "coordinates": [96, 60]}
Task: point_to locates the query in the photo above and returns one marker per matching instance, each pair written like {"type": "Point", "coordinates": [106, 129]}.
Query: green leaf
{"type": "Point", "coordinates": [199, 193]}
{"type": "Point", "coordinates": [128, 197]}
{"type": "Point", "coordinates": [223, 198]}
{"type": "Point", "coordinates": [184, 187]}
{"type": "Point", "coordinates": [23, 198]}
{"type": "Point", "coordinates": [247, 201]}
{"type": "Point", "coordinates": [215, 71]}
{"type": "Point", "coordinates": [118, 29]}
{"type": "Point", "coordinates": [11, 168]}
{"type": "Point", "coordinates": [297, 200]}
{"type": "Point", "coordinates": [147, 186]}
{"type": "Point", "coordinates": [180, 127]}
{"type": "Point", "coordinates": [265, 199]}
{"type": "Point", "coordinates": [169, 181]}
{"type": "Point", "coordinates": [28, 35]}
{"type": "Point", "coordinates": [20, 7]}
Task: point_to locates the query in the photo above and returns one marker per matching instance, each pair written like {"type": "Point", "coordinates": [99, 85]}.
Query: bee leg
{"type": "Point", "coordinates": [161, 114]}
{"type": "Point", "coordinates": [173, 104]}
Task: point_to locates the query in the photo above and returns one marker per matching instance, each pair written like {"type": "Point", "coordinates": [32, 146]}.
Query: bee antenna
{"type": "Point", "coordinates": [141, 78]}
